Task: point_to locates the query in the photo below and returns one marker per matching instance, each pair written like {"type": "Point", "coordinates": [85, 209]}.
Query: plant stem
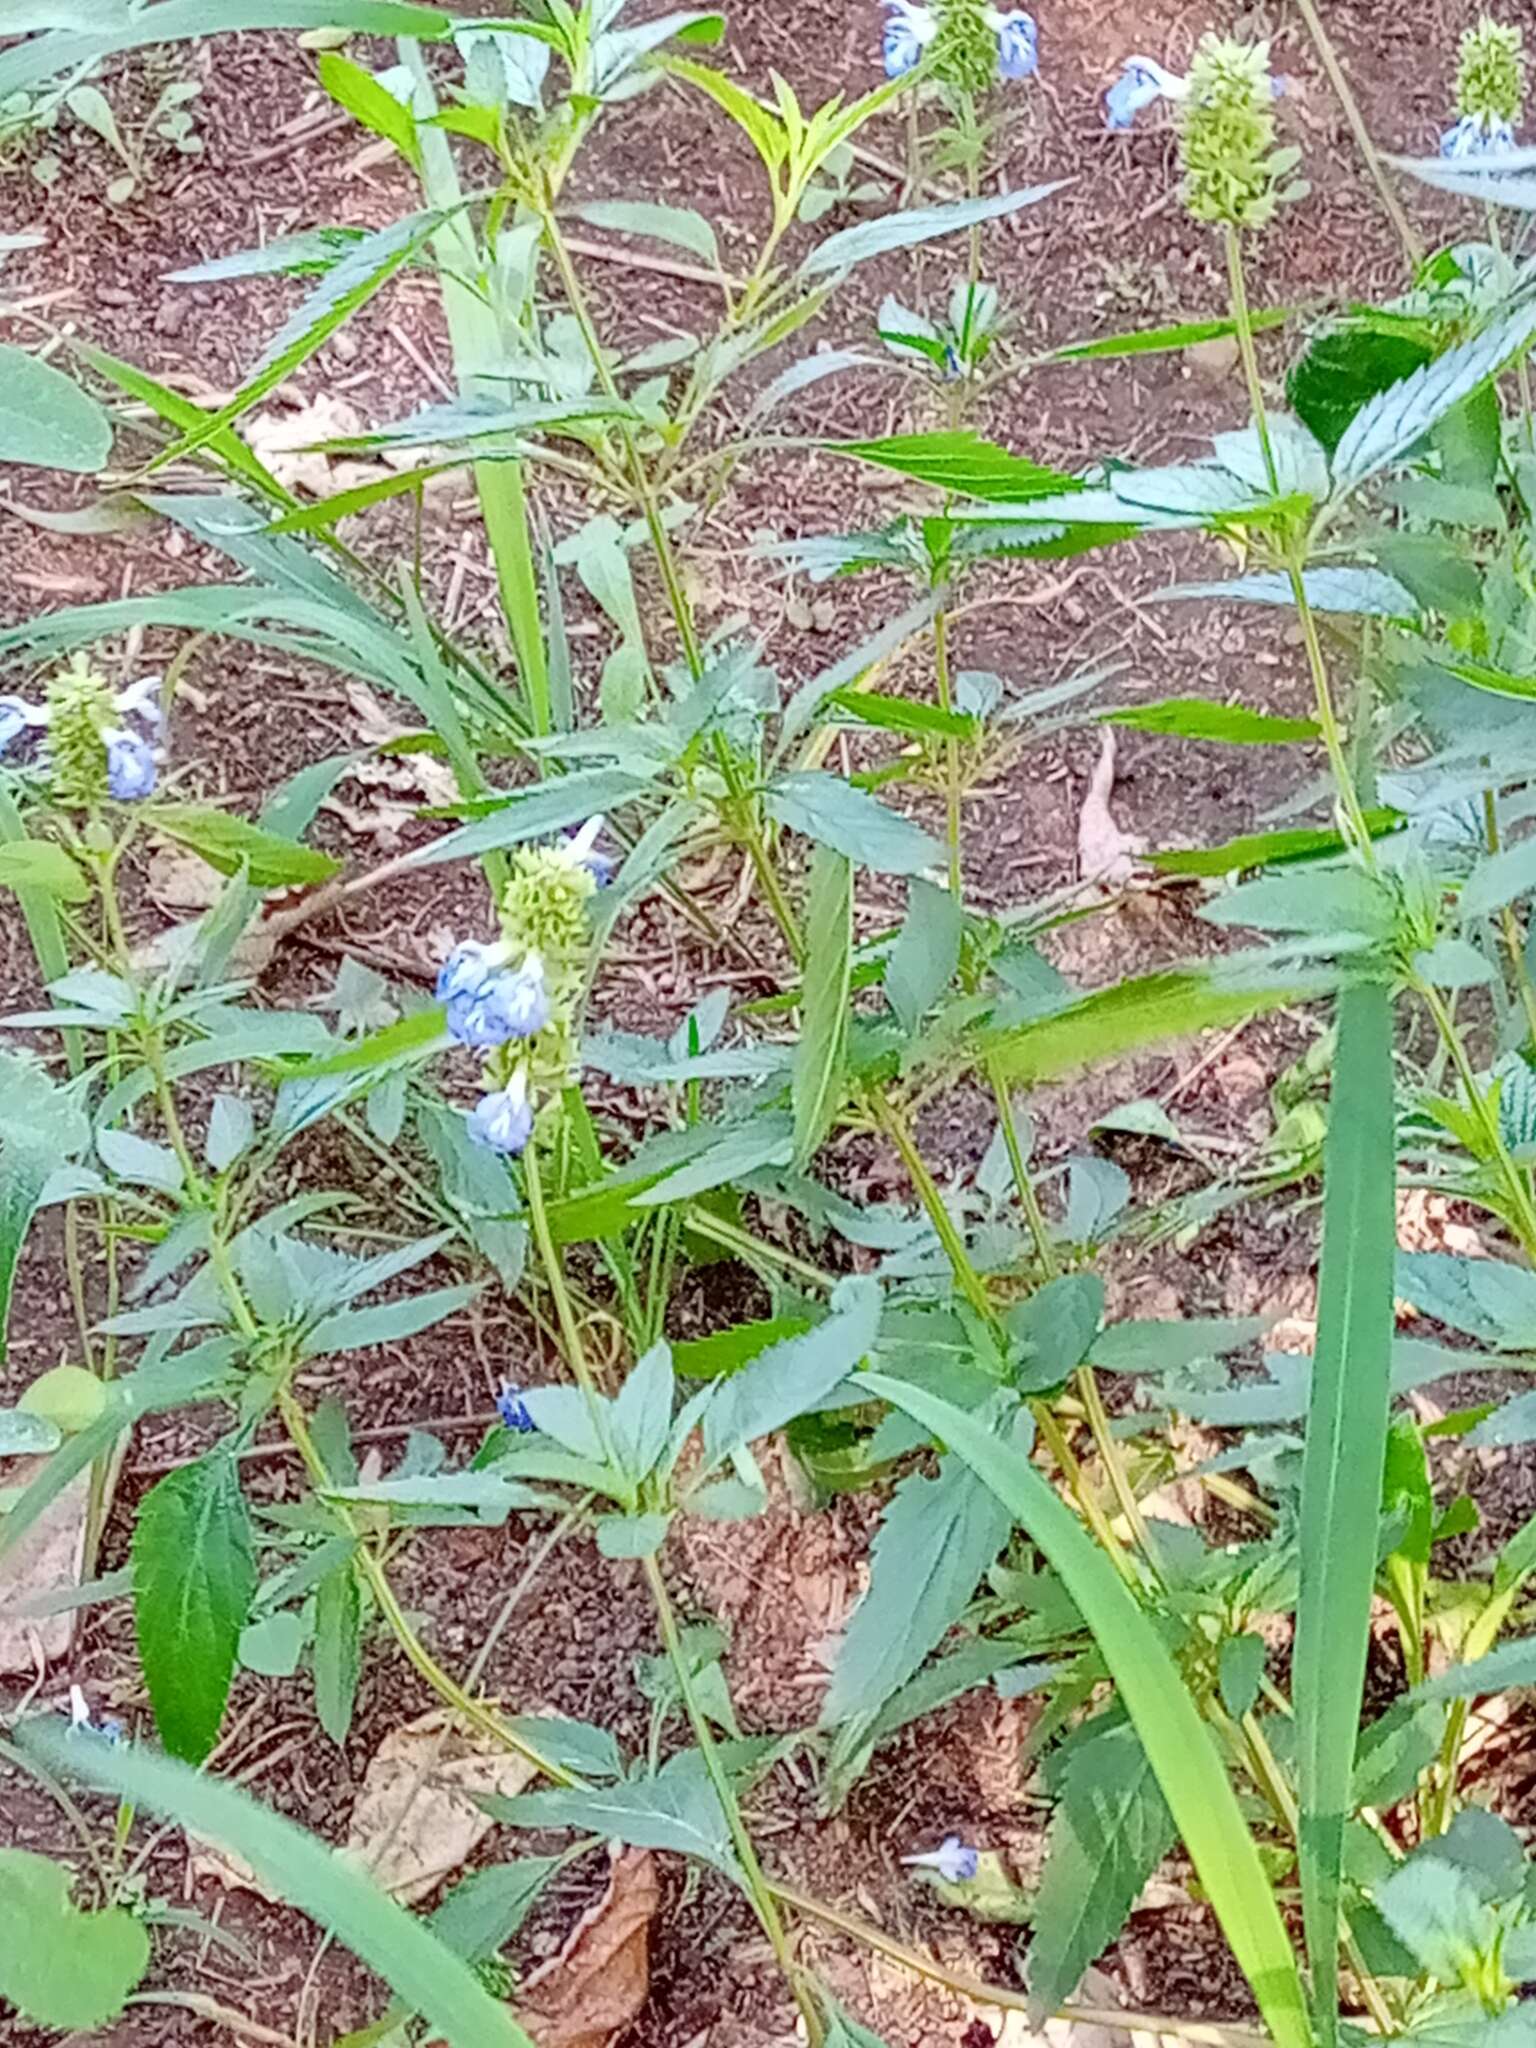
{"type": "Point", "coordinates": [1523, 1217]}
{"type": "Point", "coordinates": [570, 1329]}
{"type": "Point", "coordinates": [1295, 563]}
{"type": "Point", "coordinates": [951, 754]}
{"type": "Point", "coordinates": [763, 1899]}
{"type": "Point", "coordinates": [967, 1279]}
{"type": "Point", "coordinates": [1509, 924]}
{"type": "Point", "coordinates": [1413, 248]}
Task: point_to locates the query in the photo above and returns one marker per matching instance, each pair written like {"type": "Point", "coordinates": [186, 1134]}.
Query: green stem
{"type": "Point", "coordinates": [1295, 562]}
{"type": "Point", "coordinates": [565, 1314]}
{"type": "Point", "coordinates": [967, 1279]}
{"type": "Point", "coordinates": [1023, 1181]}
{"type": "Point", "coordinates": [1517, 1188]}
{"type": "Point", "coordinates": [941, 678]}
{"type": "Point", "coordinates": [1509, 925]}
{"type": "Point", "coordinates": [763, 1899]}
{"type": "Point", "coordinates": [1413, 248]}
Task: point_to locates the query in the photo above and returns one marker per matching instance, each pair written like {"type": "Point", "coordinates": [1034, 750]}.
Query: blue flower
{"type": "Point", "coordinates": [503, 1122]}
{"type": "Point", "coordinates": [908, 33]}
{"type": "Point", "coordinates": [513, 1409]}
{"type": "Point", "coordinates": [1142, 80]}
{"type": "Point", "coordinates": [131, 770]}
{"type": "Point", "coordinates": [1477, 135]}
{"type": "Point", "coordinates": [1018, 44]}
{"type": "Point", "coordinates": [953, 1860]}
{"type": "Point", "coordinates": [141, 700]}
{"type": "Point", "coordinates": [504, 1006]}
{"type": "Point", "coordinates": [17, 717]}
{"type": "Point", "coordinates": [468, 967]}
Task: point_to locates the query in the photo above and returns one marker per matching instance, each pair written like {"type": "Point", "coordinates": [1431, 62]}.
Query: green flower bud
{"type": "Point", "coordinates": [965, 47]}
{"type": "Point", "coordinates": [79, 712]}
{"type": "Point", "coordinates": [1490, 79]}
{"type": "Point", "coordinates": [545, 910]}
{"type": "Point", "coordinates": [1226, 136]}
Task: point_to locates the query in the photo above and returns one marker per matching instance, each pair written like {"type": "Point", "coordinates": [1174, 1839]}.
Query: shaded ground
{"type": "Point", "coordinates": [1113, 251]}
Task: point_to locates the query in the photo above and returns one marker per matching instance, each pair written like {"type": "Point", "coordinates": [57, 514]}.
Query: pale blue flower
{"type": "Point", "coordinates": [141, 700]}
{"type": "Point", "coordinates": [131, 771]}
{"type": "Point", "coordinates": [467, 968]}
{"type": "Point", "coordinates": [504, 1006]}
{"type": "Point", "coordinates": [1018, 44]}
{"type": "Point", "coordinates": [16, 717]}
{"type": "Point", "coordinates": [1142, 80]}
{"type": "Point", "coordinates": [953, 1860]}
{"type": "Point", "coordinates": [1477, 135]}
{"type": "Point", "coordinates": [513, 1409]}
{"type": "Point", "coordinates": [908, 32]}
{"type": "Point", "coordinates": [82, 1722]}
{"type": "Point", "coordinates": [503, 1122]}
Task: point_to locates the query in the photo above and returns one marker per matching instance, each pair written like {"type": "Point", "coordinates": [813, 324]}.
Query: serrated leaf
{"type": "Point", "coordinates": [961, 461]}
{"type": "Point", "coordinates": [231, 844]}
{"type": "Point", "coordinates": [1110, 1830]}
{"type": "Point", "coordinates": [1499, 879]}
{"type": "Point", "coordinates": [678, 225]}
{"type": "Point", "coordinates": [58, 1966]}
{"type": "Point", "coordinates": [851, 822]}
{"type": "Point", "coordinates": [934, 1545]}
{"type": "Point", "coordinates": [818, 1080]}
{"type": "Point", "coordinates": [786, 1379]}
{"type": "Point", "coordinates": [1343, 371]}
{"type": "Point", "coordinates": [1362, 592]}
{"type": "Point", "coordinates": [677, 1810]}
{"type": "Point", "coordinates": [1436, 1910]}
{"type": "Point", "coordinates": [194, 1575]}
{"type": "Point", "coordinates": [1055, 1329]}
{"type": "Point", "coordinates": [1240, 1666]}
{"type": "Point", "coordinates": [923, 960]}
{"type": "Point", "coordinates": [1390, 423]}
{"type": "Point", "coordinates": [42, 865]}
{"type": "Point", "coordinates": [917, 224]}
{"type": "Point", "coordinates": [1511, 1664]}
{"type": "Point", "coordinates": [338, 1649]}
{"type": "Point", "coordinates": [480, 1916]}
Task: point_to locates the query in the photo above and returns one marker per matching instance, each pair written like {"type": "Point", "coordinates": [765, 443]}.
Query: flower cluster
{"type": "Point", "coordinates": [1142, 82]}
{"type": "Point", "coordinates": [524, 1016]}
{"type": "Point", "coordinates": [1490, 91]}
{"type": "Point", "coordinates": [973, 45]}
{"type": "Point", "coordinates": [98, 744]}
{"type": "Point", "coordinates": [1226, 120]}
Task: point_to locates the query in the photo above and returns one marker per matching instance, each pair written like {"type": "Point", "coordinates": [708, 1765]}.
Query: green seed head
{"type": "Point", "coordinates": [1227, 134]}
{"type": "Point", "coordinates": [79, 711]}
{"type": "Point", "coordinates": [1490, 80]}
{"type": "Point", "coordinates": [545, 910]}
{"type": "Point", "coordinates": [965, 47]}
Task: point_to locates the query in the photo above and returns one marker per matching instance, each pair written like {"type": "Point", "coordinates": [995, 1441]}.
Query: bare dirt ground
{"type": "Point", "coordinates": [1113, 251]}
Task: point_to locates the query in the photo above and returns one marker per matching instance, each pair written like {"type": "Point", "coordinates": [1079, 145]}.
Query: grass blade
{"type": "Point", "coordinates": [300, 1870]}
{"type": "Point", "coordinates": [1178, 1743]}
{"type": "Point", "coordinates": [1341, 1474]}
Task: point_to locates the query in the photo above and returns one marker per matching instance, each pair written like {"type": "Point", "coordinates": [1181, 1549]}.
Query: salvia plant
{"type": "Point", "coordinates": [1201, 1695]}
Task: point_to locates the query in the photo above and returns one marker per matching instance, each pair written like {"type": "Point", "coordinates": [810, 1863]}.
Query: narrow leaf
{"type": "Point", "coordinates": [818, 1078]}
{"type": "Point", "coordinates": [194, 1575]}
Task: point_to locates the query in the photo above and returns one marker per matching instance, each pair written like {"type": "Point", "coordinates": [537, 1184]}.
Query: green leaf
{"type": "Point", "coordinates": [338, 1649]}
{"type": "Point", "coordinates": [1511, 1664]}
{"type": "Point", "coordinates": [59, 1966]}
{"type": "Point", "coordinates": [917, 224]}
{"type": "Point", "coordinates": [46, 420]}
{"type": "Point", "coordinates": [1390, 423]}
{"type": "Point", "coordinates": [40, 864]}
{"type": "Point", "coordinates": [1436, 1909]}
{"type": "Point", "coordinates": [548, 807]}
{"type": "Point", "coordinates": [360, 94]}
{"type": "Point", "coordinates": [1343, 371]}
{"type": "Point", "coordinates": [934, 1544]}
{"type": "Point", "coordinates": [677, 1810]}
{"type": "Point", "coordinates": [1318, 900]}
{"type": "Point", "coordinates": [1341, 1476]}
{"type": "Point", "coordinates": [923, 960]}
{"type": "Point", "coordinates": [305, 1873]}
{"type": "Point", "coordinates": [904, 715]}
{"type": "Point", "coordinates": [1176, 1739]}
{"type": "Point", "coordinates": [229, 844]}
{"type": "Point", "coordinates": [1110, 1830]}
{"type": "Point", "coordinates": [679, 225]}
{"type": "Point", "coordinates": [1156, 340]}
{"type": "Point", "coordinates": [835, 814]}
{"type": "Point", "coordinates": [1055, 1329]}
{"type": "Point", "coordinates": [1158, 1346]}
{"type": "Point", "coordinates": [1266, 849]}
{"type": "Point", "coordinates": [1198, 718]}
{"type": "Point", "coordinates": [962, 462]}
{"type": "Point", "coordinates": [1360, 592]}
{"type": "Point", "coordinates": [727, 1351]}
{"type": "Point", "coordinates": [273, 1646]}
{"type": "Point", "coordinates": [846, 2033]}
{"type": "Point", "coordinates": [1240, 1666]}
{"type": "Point", "coordinates": [1499, 879]}
{"type": "Point", "coordinates": [783, 1381]}
{"type": "Point", "coordinates": [194, 1575]}
{"type": "Point", "coordinates": [1121, 1019]}
{"type": "Point", "coordinates": [480, 1916]}
{"type": "Point", "coordinates": [819, 1077]}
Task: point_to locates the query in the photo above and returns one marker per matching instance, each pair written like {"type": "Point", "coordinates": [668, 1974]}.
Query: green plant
{"type": "Point", "coordinates": [1020, 1439]}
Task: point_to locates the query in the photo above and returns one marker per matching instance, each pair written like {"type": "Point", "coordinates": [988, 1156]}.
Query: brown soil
{"type": "Point", "coordinates": [1113, 251]}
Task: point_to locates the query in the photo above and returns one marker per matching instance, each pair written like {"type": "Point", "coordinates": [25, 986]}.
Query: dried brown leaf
{"type": "Point", "coordinates": [599, 1982]}
{"type": "Point", "coordinates": [416, 1821]}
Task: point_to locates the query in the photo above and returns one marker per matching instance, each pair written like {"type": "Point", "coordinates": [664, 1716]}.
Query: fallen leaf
{"type": "Point", "coordinates": [598, 1983]}
{"type": "Point", "coordinates": [1104, 853]}
{"type": "Point", "coordinates": [46, 1560]}
{"type": "Point", "coordinates": [224, 1867]}
{"type": "Point", "coordinates": [416, 1820]}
